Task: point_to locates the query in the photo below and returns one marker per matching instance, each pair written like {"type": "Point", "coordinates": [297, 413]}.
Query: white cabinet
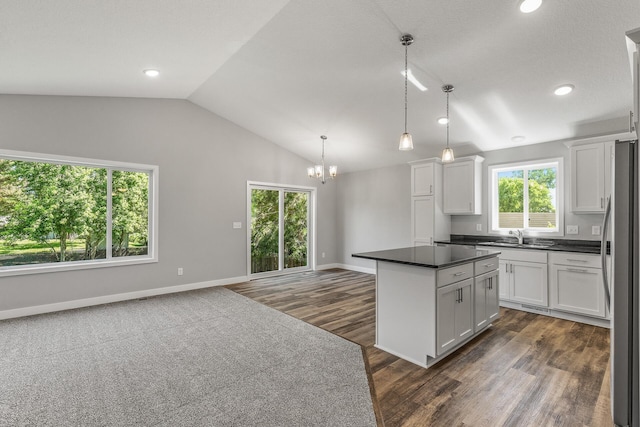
{"type": "Point", "coordinates": [524, 277]}
{"type": "Point", "coordinates": [486, 299]}
{"type": "Point", "coordinates": [462, 183]}
{"type": "Point", "coordinates": [428, 222]}
{"type": "Point", "coordinates": [576, 284]}
{"type": "Point", "coordinates": [633, 46]}
{"type": "Point", "coordinates": [455, 314]}
{"type": "Point", "coordinates": [588, 178]}
{"type": "Point", "coordinates": [423, 178]}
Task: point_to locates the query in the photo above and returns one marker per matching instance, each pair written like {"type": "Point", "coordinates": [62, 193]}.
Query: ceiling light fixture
{"type": "Point", "coordinates": [518, 138]}
{"type": "Point", "coordinates": [317, 171]}
{"type": "Point", "coordinates": [563, 90]}
{"type": "Point", "coordinates": [151, 73]}
{"type": "Point", "coordinates": [443, 120]}
{"type": "Point", "coordinates": [406, 142]}
{"type": "Point", "coordinates": [447, 153]}
{"type": "Point", "coordinates": [414, 80]}
{"type": "Point", "coordinates": [528, 6]}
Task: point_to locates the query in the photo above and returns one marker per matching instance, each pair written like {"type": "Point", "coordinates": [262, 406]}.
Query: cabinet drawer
{"type": "Point", "coordinates": [576, 260]}
{"type": "Point", "coordinates": [454, 274]}
{"type": "Point", "coordinates": [486, 265]}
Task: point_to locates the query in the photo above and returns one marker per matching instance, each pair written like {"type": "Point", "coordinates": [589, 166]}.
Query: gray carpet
{"type": "Point", "coordinates": [202, 358]}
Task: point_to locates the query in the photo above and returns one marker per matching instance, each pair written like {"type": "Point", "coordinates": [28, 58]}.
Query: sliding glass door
{"type": "Point", "coordinates": [280, 229]}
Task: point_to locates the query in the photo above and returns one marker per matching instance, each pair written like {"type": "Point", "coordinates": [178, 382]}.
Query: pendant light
{"type": "Point", "coordinates": [406, 142]}
{"type": "Point", "coordinates": [447, 153]}
{"type": "Point", "coordinates": [317, 171]}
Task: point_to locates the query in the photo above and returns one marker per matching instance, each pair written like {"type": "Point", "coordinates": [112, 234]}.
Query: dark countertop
{"type": "Point", "coordinates": [559, 245]}
{"type": "Point", "coordinates": [430, 256]}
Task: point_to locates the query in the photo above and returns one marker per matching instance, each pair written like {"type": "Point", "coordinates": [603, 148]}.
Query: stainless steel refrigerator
{"type": "Point", "coordinates": [623, 283]}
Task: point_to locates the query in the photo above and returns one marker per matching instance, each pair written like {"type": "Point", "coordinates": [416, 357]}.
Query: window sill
{"type": "Point", "coordinates": [75, 265]}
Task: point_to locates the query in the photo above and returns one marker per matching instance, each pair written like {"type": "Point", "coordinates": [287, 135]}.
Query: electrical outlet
{"type": "Point", "coordinates": [322, 254]}
{"type": "Point", "coordinates": [595, 230]}
{"type": "Point", "coordinates": [237, 225]}
{"type": "Point", "coordinates": [572, 229]}
{"type": "Point", "coordinates": [478, 227]}
{"type": "Point", "coordinates": [180, 271]}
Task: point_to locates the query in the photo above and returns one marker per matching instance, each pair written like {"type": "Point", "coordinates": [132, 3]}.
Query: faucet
{"type": "Point", "coordinates": [519, 234]}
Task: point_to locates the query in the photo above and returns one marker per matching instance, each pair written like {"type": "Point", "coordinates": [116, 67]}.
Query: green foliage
{"type": "Point", "coordinates": [511, 191]}
{"type": "Point", "coordinates": [41, 201]}
{"type": "Point", "coordinates": [265, 229]}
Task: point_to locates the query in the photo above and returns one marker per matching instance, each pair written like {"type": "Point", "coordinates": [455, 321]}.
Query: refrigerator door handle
{"type": "Point", "coordinates": [603, 253]}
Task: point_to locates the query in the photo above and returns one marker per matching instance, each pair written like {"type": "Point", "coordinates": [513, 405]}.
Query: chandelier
{"type": "Point", "coordinates": [318, 171]}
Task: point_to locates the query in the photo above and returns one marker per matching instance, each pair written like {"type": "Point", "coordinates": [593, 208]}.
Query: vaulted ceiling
{"type": "Point", "coordinates": [291, 71]}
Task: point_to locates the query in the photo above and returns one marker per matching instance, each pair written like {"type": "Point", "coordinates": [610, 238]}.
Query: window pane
{"type": "Point", "coordinates": [129, 213]}
{"type": "Point", "coordinates": [265, 205]}
{"type": "Point", "coordinates": [295, 229]}
{"type": "Point", "coordinates": [51, 213]}
{"type": "Point", "coordinates": [511, 199]}
{"type": "Point", "coordinates": [542, 198]}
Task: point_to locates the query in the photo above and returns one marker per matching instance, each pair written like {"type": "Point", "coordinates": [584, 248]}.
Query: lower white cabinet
{"type": "Point", "coordinates": [576, 284]}
{"type": "Point", "coordinates": [523, 277]}
{"type": "Point", "coordinates": [455, 306]}
{"type": "Point", "coordinates": [486, 302]}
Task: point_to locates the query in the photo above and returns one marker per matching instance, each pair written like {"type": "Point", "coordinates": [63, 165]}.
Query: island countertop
{"type": "Point", "coordinates": [429, 256]}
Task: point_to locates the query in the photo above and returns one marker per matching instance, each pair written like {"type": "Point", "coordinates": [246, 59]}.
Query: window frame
{"type": "Point", "coordinates": [493, 202]}
{"type": "Point", "coordinates": [151, 257]}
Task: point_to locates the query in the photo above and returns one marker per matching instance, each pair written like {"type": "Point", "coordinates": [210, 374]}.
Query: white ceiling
{"type": "Point", "coordinates": [291, 71]}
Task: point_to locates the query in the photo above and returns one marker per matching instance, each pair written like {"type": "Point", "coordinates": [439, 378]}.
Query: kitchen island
{"type": "Point", "coordinates": [431, 300]}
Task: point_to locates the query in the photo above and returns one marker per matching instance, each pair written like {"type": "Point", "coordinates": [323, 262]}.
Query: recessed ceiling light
{"type": "Point", "coordinates": [151, 73]}
{"type": "Point", "coordinates": [443, 120]}
{"type": "Point", "coordinates": [415, 81]}
{"type": "Point", "coordinates": [518, 138]}
{"type": "Point", "coordinates": [563, 90]}
{"type": "Point", "coordinates": [528, 6]}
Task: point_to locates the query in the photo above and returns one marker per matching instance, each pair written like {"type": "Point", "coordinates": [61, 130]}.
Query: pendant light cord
{"type": "Point", "coordinates": [448, 119]}
{"type": "Point", "coordinates": [406, 74]}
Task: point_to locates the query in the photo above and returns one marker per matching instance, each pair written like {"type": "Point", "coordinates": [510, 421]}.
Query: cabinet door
{"type": "Point", "coordinates": [505, 279]}
{"type": "Point", "coordinates": [529, 283]}
{"type": "Point", "coordinates": [447, 298]}
{"type": "Point", "coordinates": [464, 311]}
{"type": "Point", "coordinates": [422, 221]}
{"type": "Point", "coordinates": [422, 180]}
{"type": "Point", "coordinates": [458, 188]}
{"type": "Point", "coordinates": [587, 178]}
{"type": "Point", "coordinates": [492, 295]}
{"type": "Point", "coordinates": [578, 290]}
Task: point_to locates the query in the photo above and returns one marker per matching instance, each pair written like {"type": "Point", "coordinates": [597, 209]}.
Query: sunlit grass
{"type": "Point", "coordinates": [22, 247]}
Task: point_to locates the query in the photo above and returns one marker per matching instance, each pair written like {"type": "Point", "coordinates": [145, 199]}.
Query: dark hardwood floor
{"type": "Point", "coordinates": [526, 370]}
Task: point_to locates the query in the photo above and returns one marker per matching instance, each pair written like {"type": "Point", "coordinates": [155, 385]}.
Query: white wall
{"type": "Point", "coordinates": [374, 212]}
{"type": "Point", "coordinates": [466, 224]}
{"type": "Point", "coordinates": [205, 162]}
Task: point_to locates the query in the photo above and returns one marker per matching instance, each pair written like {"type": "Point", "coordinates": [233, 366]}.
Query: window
{"type": "Point", "coordinates": [526, 196]}
{"type": "Point", "coordinates": [60, 213]}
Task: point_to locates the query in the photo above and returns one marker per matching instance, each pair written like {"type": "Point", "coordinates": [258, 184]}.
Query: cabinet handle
{"type": "Point", "coordinates": [458, 274]}
{"type": "Point", "coordinates": [631, 121]}
{"type": "Point", "coordinates": [577, 260]}
{"type": "Point", "coordinates": [489, 283]}
{"type": "Point", "coordinates": [511, 268]}
{"type": "Point", "coordinates": [461, 295]}
{"type": "Point", "coordinates": [457, 295]}
{"type": "Point", "coordinates": [506, 268]}
{"type": "Point", "coordinates": [577, 270]}
{"type": "Point", "coordinates": [489, 265]}
{"type": "Point", "coordinates": [431, 241]}
{"type": "Point", "coordinates": [430, 188]}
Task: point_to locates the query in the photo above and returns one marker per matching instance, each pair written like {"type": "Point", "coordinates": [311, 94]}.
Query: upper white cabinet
{"type": "Point", "coordinates": [428, 221]}
{"type": "Point", "coordinates": [422, 179]}
{"type": "Point", "coordinates": [462, 184]}
{"type": "Point", "coordinates": [588, 178]}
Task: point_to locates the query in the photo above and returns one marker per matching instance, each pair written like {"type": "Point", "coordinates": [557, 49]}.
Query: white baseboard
{"type": "Point", "coordinates": [347, 267]}
{"type": "Point", "coordinates": [87, 302]}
